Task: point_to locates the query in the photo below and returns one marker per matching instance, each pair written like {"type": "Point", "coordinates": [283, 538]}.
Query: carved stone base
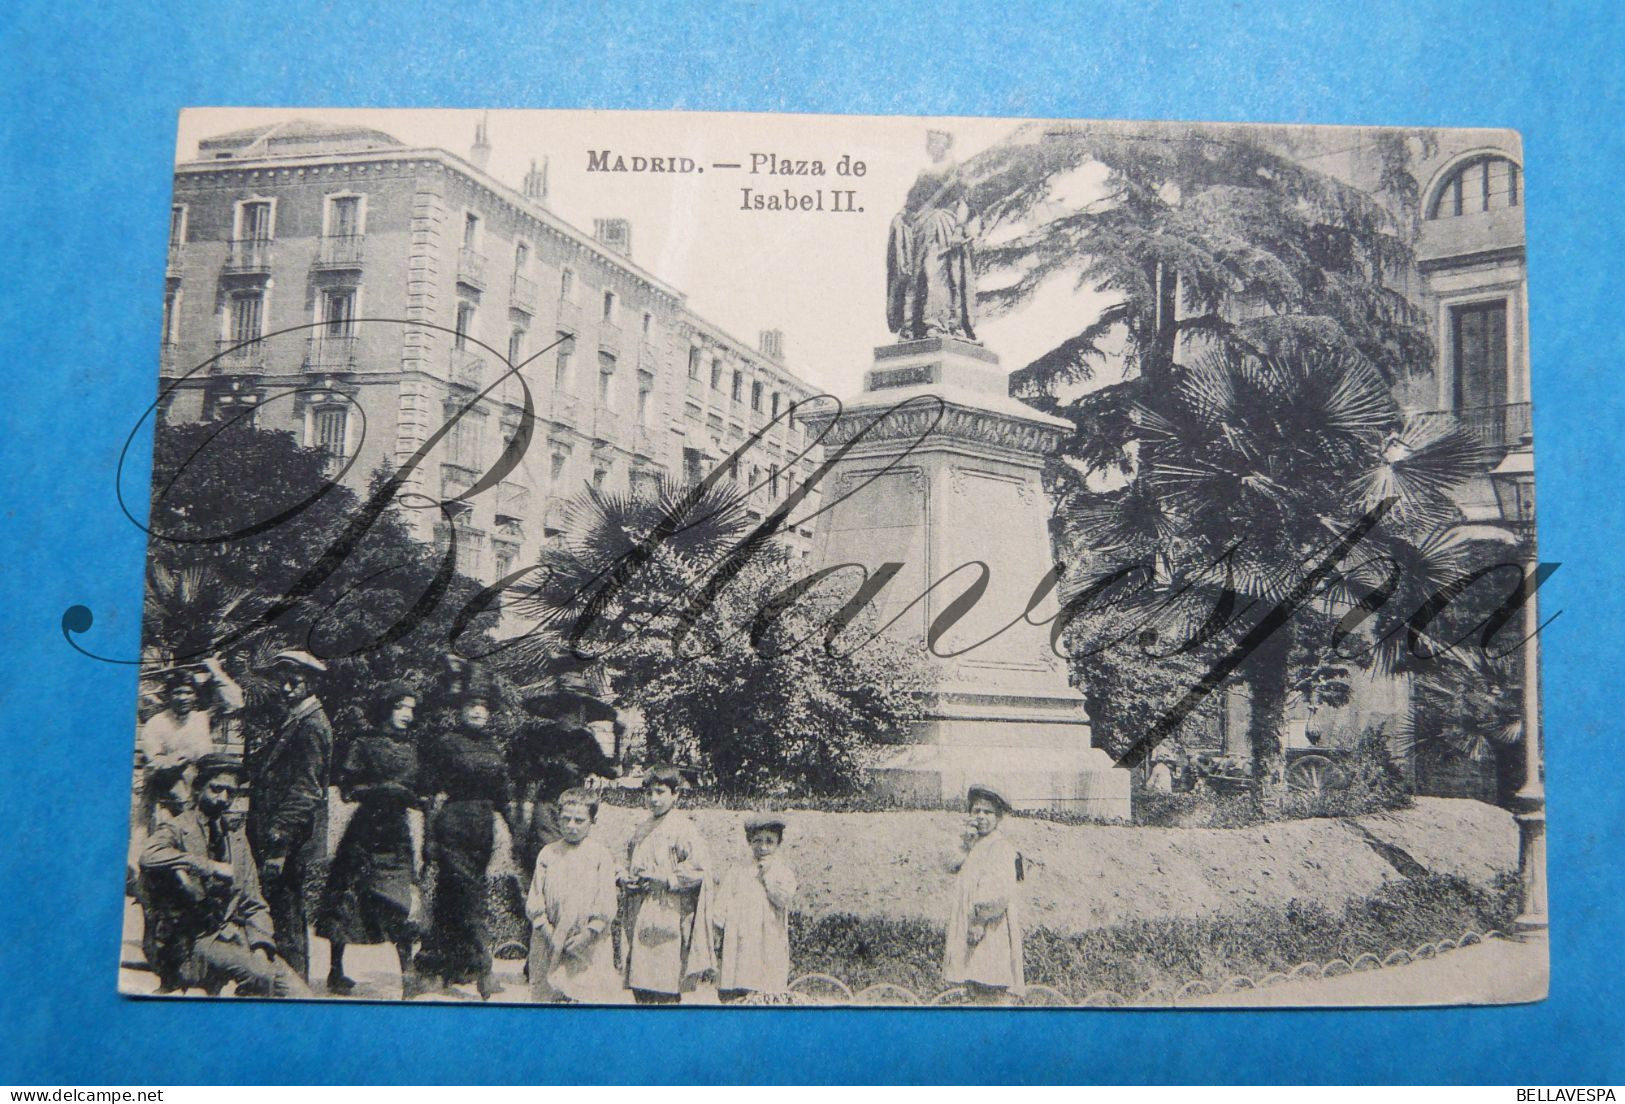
{"type": "Point", "coordinates": [942, 479]}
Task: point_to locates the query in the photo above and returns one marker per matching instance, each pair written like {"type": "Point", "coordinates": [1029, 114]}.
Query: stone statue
{"type": "Point", "coordinates": [930, 262]}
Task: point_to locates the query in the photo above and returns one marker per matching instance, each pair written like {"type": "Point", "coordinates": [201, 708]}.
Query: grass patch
{"type": "Point", "coordinates": [1147, 955]}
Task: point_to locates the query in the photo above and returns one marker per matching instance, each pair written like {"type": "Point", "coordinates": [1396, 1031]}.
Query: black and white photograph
{"type": "Point", "coordinates": [683, 558]}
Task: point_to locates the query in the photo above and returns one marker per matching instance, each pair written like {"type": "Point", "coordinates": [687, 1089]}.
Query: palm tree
{"type": "Point", "coordinates": [1247, 471]}
{"type": "Point", "coordinates": [627, 563]}
{"type": "Point", "coordinates": [1469, 704]}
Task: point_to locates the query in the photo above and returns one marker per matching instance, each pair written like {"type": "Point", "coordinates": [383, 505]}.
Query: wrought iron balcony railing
{"type": "Point", "coordinates": [524, 294]}
{"type": "Point", "coordinates": [327, 352]}
{"type": "Point", "coordinates": [467, 366]}
{"type": "Point", "coordinates": [1497, 426]}
{"type": "Point", "coordinates": [235, 355]}
{"type": "Point", "coordinates": [471, 268]}
{"type": "Point", "coordinates": [339, 251]}
{"type": "Point", "coordinates": [248, 255]}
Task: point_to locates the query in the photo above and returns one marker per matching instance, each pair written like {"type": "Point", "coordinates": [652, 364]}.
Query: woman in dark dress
{"type": "Point", "coordinates": [464, 770]}
{"type": "Point", "coordinates": [374, 877]}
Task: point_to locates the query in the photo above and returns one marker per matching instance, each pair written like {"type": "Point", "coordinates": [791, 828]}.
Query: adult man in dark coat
{"type": "Point", "coordinates": [287, 808]}
{"type": "Point", "coordinates": [207, 923]}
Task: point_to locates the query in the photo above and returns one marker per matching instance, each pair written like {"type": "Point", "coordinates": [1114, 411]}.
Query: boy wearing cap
{"type": "Point", "coordinates": [983, 951]}
{"type": "Point", "coordinates": [753, 915]}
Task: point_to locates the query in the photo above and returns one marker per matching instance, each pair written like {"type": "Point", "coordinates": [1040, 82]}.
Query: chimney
{"type": "Point", "coordinates": [771, 343]}
{"type": "Point", "coordinates": [480, 152]}
{"type": "Point", "coordinates": [536, 182]}
{"type": "Point", "coordinates": [614, 234]}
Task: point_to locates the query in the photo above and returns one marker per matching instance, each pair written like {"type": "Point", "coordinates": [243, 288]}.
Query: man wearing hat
{"type": "Point", "coordinates": [287, 811]}
{"type": "Point", "coordinates": [206, 919]}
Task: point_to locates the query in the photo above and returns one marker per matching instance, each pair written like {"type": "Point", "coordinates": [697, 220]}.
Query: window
{"type": "Point", "coordinates": [606, 378]}
{"type": "Point", "coordinates": [648, 323]}
{"type": "Point", "coordinates": [567, 284]}
{"type": "Point", "coordinates": [254, 220]}
{"type": "Point", "coordinates": [516, 345]}
{"type": "Point", "coordinates": [1482, 184]}
{"type": "Point", "coordinates": [773, 480]}
{"type": "Point", "coordinates": [465, 324]}
{"type": "Point", "coordinates": [247, 313]}
{"type": "Point", "coordinates": [328, 425]}
{"type": "Point", "coordinates": [504, 554]}
{"type": "Point", "coordinates": [561, 368]}
{"type": "Point", "coordinates": [775, 404]}
{"type": "Point", "coordinates": [738, 385]}
{"type": "Point", "coordinates": [646, 390]}
{"type": "Point", "coordinates": [338, 312]}
{"type": "Point", "coordinates": [344, 216]}
{"type": "Point", "coordinates": [471, 230]}
{"type": "Point", "coordinates": [693, 364]}
{"type": "Point", "coordinates": [463, 438]}
{"type": "Point", "coordinates": [693, 465]}
{"type": "Point", "coordinates": [172, 298]}
{"type": "Point", "coordinates": [555, 467]}
{"type": "Point", "coordinates": [716, 373]}
{"type": "Point", "coordinates": [1478, 339]}
{"type": "Point", "coordinates": [756, 395]}
{"type": "Point", "coordinates": [600, 476]}
{"type": "Point", "coordinates": [609, 306]}
{"type": "Point", "coordinates": [521, 258]}
{"type": "Point", "coordinates": [177, 225]}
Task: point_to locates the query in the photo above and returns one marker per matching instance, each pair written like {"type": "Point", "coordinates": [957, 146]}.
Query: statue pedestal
{"type": "Point", "coordinates": [941, 478]}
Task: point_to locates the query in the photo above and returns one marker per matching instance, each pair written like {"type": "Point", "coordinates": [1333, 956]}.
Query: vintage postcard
{"type": "Point", "coordinates": [674, 558]}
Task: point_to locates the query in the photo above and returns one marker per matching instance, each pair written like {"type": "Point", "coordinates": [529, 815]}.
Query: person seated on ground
{"type": "Point", "coordinates": [571, 905]}
{"type": "Point", "coordinates": [207, 922]}
{"type": "Point", "coordinates": [983, 948]}
{"type": "Point", "coordinates": [752, 914]}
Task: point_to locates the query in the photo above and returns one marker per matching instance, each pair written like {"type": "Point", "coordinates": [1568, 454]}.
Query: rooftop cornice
{"type": "Point", "coordinates": [516, 200]}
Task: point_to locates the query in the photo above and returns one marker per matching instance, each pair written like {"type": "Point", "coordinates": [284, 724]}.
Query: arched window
{"type": "Point", "coordinates": [1481, 184]}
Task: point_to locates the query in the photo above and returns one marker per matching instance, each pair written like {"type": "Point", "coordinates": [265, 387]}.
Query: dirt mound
{"type": "Point", "coordinates": [1087, 876]}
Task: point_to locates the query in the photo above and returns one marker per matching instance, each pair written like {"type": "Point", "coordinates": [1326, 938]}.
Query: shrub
{"type": "Point", "coordinates": [1142, 956]}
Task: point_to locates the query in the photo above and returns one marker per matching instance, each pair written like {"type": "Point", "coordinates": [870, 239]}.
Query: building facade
{"type": "Point", "coordinates": [360, 293]}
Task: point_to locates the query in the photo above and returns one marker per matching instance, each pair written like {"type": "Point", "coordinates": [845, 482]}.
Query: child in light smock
{"type": "Point", "coordinates": [571, 905]}
{"type": "Point", "coordinates": [753, 915]}
{"type": "Point", "coordinates": [983, 951]}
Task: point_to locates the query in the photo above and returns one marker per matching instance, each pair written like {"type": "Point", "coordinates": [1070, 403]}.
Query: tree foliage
{"type": "Point", "coordinates": [243, 522]}
{"type": "Point", "coordinates": [670, 593]}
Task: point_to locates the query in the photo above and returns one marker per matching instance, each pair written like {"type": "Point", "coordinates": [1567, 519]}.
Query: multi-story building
{"type": "Point", "coordinates": [361, 293]}
{"type": "Point", "coordinates": [1470, 277]}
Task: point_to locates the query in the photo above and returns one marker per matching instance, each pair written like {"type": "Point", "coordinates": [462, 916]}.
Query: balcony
{"type": "Point", "coordinates": [471, 268]}
{"type": "Point", "coordinates": [168, 357]}
{"type": "Point", "coordinates": [646, 442]}
{"type": "Point", "coordinates": [569, 316]}
{"type": "Point", "coordinates": [339, 251]}
{"type": "Point", "coordinates": [467, 367]}
{"type": "Point", "coordinates": [608, 426]}
{"type": "Point", "coordinates": [232, 356]}
{"type": "Point", "coordinates": [609, 338]}
{"type": "Point", "coordinates": [523, 295]}
{"type": "Point", "coordinates": [648, 357]}
{"type": "Point", "coordinates": [566, 410]}
{"type": "Point", "coordinates": [456, 479]}
{"type": "Point", "coordinates": [248, 256]}
{"type": "Point", "coordinates": [1497, 427]}
{"type": "Point", "coordinates": [330, 353]}
{"type": "Point", "coordinates": [176, 252]}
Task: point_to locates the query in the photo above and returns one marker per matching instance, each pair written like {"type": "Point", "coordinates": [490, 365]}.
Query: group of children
{"type": "Point", "coordinates": [678, 926]}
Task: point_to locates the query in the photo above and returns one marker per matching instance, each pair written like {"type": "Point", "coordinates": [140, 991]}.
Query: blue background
{"type": "Point", "coordinates": [88, 125]}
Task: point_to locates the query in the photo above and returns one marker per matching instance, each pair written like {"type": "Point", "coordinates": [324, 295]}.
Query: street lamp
{"type": "Point", "coordinates": [1514, 482]}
